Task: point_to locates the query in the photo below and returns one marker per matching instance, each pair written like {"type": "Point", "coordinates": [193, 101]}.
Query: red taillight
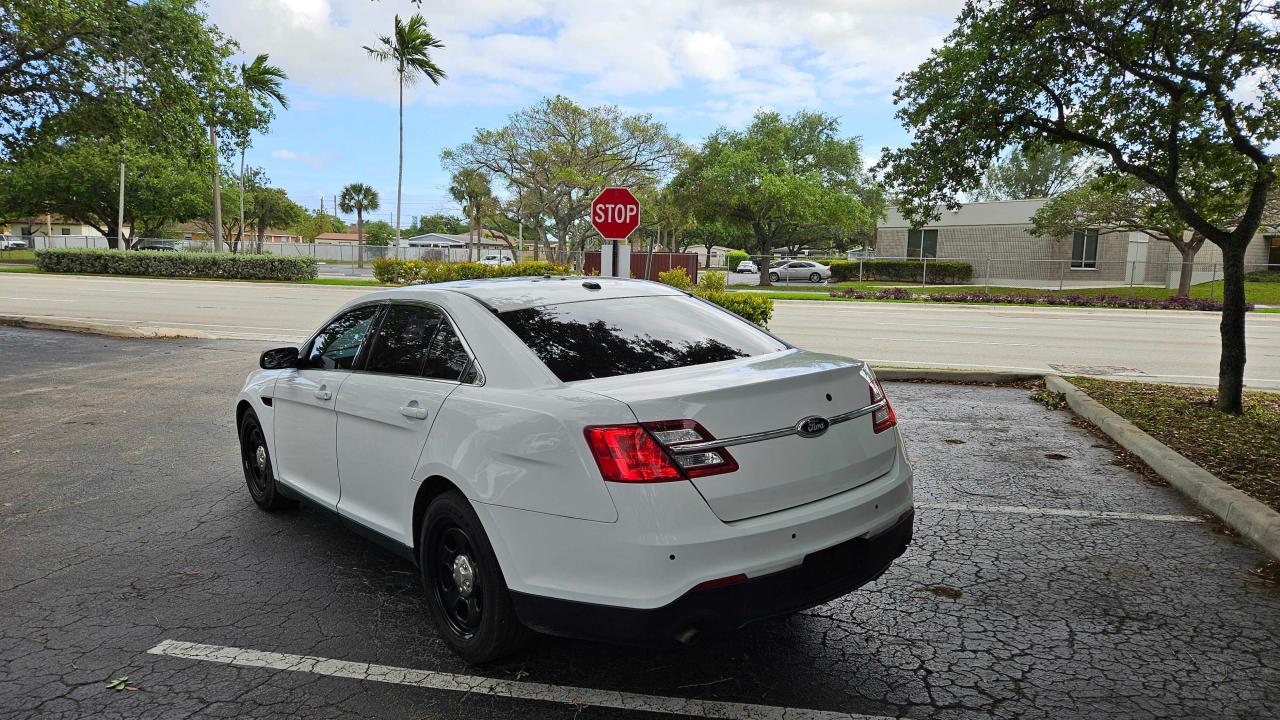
{"type": "Point", "coordinates": [884, 418]}
{"type": "Point", "coordinates": [721, 582]}
{"type": "Point", "coordinates": [627, 453]}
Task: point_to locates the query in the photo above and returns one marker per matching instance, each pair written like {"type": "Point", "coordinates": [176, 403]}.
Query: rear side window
{"type": "Point", "coordinates": [447, 359]}
{"type": "Point", "coordinates": [622, 336]}
{"type": "Point", "coordinates": [400, 346]}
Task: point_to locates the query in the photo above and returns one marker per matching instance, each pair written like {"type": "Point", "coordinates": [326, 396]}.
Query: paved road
{"type": "Point", "coordinates": [1173, 346]}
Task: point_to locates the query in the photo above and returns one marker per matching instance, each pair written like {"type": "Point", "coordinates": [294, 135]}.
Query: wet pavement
{"type": "Point", "coordinates": [124, 523]}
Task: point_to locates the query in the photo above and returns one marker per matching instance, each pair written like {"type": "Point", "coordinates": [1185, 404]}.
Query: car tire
{"type": "Point", "coordinates": [815, 278]}
{"type": "Point", "coordinates": [466, 592]}
{"type": "Point", "coordinates": [773, 277]}
{"type": "Point", "coordinates": [255, 460]}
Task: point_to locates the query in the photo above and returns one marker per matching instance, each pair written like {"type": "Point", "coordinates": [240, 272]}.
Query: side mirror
{"type": "Point", "coordinates": [279, 358]}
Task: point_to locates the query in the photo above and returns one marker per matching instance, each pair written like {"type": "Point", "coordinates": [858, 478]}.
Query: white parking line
{"type": "Point", "coordinates": [1066, 512]}
{"type": "Point", "coordinates": [515, 689]}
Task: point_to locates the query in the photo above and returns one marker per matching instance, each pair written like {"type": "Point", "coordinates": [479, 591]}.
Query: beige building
{"type": "Point", "coordinates": [995, 237]}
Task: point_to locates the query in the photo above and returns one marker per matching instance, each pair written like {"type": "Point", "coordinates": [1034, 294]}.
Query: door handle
{"type": "Point", "coordinates": [413, 411]}
{"type": "Point", "coordinates": [322, 393]}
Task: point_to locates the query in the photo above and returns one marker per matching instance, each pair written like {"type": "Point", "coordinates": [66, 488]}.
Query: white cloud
{"type": "Point", "coordinates": [311, 160]}
{"type": "Point", "coordinates": [738, 54]}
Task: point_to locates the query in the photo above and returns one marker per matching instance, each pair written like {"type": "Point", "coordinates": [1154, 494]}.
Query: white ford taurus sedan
{"type": "Point", "coordinates": [587, 457]}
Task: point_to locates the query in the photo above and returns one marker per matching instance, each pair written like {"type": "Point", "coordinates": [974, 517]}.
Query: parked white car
{"type": "Point", "coordinates": [11, 243]}
{"type": "Point", "coordinates": [588, 457]}
{"type": "Point", "coordinates": [497, 259]}
{"type": "Point", "coordinates": [806, 270]}
{"type": "Point", "coordinates": [748, 266]}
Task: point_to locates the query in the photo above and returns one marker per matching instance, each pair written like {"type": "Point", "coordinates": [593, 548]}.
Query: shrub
{"type": "Point", "coordinates": [753, 306]}
{"type": "Point", "coordinates": [403, 272]}
{"type": "Point", "coordinates": [240, 266]}
{"type": "Point", "coordinates": [939, 271]}
{"type": "Point", "coordinates": [734, 258]}
{"type": "Point", "coordinates": [1115, 301]}
{"type": "Point", "coordinates": [1263, 276]}
{"type": "Point", "coordinates": [676, 277]}
{"type": "Point", "coordinates": [711, 281]}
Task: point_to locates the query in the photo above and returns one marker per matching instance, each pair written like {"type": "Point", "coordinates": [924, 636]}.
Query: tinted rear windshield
{"type": "Point", "coordinates": [622, 336]}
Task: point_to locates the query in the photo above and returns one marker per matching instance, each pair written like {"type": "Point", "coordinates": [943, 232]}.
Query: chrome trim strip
{"type": "Point", "coordinates": [693, 447]}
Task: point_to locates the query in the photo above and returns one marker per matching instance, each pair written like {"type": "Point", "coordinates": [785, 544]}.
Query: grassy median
{"type": "Point", "coordinates": [1258, 293]}
{"type": "Point", "coordinates": [1243, 450]}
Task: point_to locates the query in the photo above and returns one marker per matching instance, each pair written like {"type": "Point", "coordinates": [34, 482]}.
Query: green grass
{"type": "Point", "coordinates": [17, 256]}
{"type": "Point", "coordinates": [1243, 450]}
{"type": "Point", "coordinates": [1257, 293]}
{"type": "Point", "coordinates": [31, 269]}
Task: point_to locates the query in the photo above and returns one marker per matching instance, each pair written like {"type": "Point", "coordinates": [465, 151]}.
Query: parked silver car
{"type": "Point", "coordinates": [800, 270]}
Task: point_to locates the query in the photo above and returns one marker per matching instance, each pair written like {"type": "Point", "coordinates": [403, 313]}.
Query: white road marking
{"type": "Point", "coordinates": [1066, 512]}
{"type": "Point", "coordinates": [36, 299]}
{"type": "Point", "coordinates": [515, 689]}
{"type": "Point", "coordinates": [956, 342]}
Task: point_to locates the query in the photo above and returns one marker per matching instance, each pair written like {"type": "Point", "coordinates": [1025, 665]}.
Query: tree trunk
{"type": "Point", "coordinates": [762, 240]}
{"type": "Point", "coordinates": [240, 227]}
{"type": "Point", "coordinates": [217, 189]}
{"type": "Point", "coordinates": [262, 234]}
{"type": "Point", "coordinates": [359, 236]}
{"type": "Point", "coordinates": [1184, 276]}
{"type": "Point", "coordinates": [400, 165]}
{"type": "Point", "coordinates": [1231, 366]}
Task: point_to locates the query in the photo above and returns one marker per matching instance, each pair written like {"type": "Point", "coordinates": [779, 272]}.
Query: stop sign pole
{"type": "Point", "coordinates": [615, 214]}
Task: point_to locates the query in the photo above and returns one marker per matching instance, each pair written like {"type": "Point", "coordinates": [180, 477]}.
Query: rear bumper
{"type": "Point", "coordinates": [823, 576]}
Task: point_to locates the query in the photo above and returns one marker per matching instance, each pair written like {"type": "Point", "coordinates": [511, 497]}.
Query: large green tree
{"type": "Point", "coordinates": [273, 208]}
{"type": "Point", "coordinates": [1026, 172]}
{"type": "Point", "coordinates": [315, 224]}
{"type": "Point", "coordinates": [780, 175]}
{"type": "Point", "coordinates": [473, 190]}
{"type": "Point", "coordinates": [408, 49]}
{"type": "Point", "coordinates": [555, 157]}
{"type": "Point", "coordinates": [1181, 95]}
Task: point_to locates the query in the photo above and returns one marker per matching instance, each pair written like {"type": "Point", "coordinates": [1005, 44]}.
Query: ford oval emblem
{"type": "Point", "coordinates": [812, 426]}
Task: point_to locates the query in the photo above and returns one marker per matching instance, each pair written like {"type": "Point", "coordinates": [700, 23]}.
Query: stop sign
{"type": "Point", "coordinates": [615, 213]}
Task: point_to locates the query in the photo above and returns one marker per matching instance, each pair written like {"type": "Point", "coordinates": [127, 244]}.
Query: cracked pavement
{"type": "Point", "coordinates": [124, 522]}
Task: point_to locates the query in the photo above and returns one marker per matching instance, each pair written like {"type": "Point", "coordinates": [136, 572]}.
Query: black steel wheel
{"type": "Point", "coordinates": [255, 459]}
{"type": "Point", "coordinates": [466, 592]}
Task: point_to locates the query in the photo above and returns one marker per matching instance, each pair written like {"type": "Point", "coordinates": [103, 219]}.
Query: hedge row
{"type": "Point", "coordinates": [935, 271]}
{"type": "Point", "coordinates": [1110, 301]}
{"type": "Point", "coordinates": [165, 263]}
{"type": "Point", "coordinates": [403, 272]}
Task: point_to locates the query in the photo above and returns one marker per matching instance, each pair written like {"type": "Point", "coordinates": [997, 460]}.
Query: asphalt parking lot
{"type": "Point", "coordinates": [1044, 582]}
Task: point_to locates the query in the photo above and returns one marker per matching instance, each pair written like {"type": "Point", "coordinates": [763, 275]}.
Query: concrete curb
{"type": "Point", "coordinates": [1247, 516]}
{"type": "Point", "coordinates": [955, 376]}
{"type": "Point", "coordinates": [109, 330]}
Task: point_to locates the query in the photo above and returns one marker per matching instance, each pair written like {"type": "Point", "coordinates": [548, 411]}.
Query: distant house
{"type": "Point", "coordinates": [194, 232]}
{"type": "Point", "coordinates": [995, 237]}
{"type": "Point", "coordinates": [445, 240]}
{"type": "Point", "coordinates": [46, 225]}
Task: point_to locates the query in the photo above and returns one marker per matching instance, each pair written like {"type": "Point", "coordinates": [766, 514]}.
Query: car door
{"type": "Point", "coordinates": [305, 424]}
{"type": "Point", "coordinates": [385, 412]}
{"type": "Point", "coordinates": [797, 271]}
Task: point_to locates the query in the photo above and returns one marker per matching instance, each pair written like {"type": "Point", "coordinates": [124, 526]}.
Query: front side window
{"type": "Point", "coordinates": [338, 344]}
{"type": "Point", "coordinates": [622, 336]}
{"type": "Point", "coordinates": [1084, 249]}
{"type": "Point", "coordinates": [922, 243]}
{"type": "Point", "coordinates": [400, 345]}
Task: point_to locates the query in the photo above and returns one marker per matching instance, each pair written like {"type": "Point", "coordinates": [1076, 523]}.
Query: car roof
{"type": "Point", "coordinates": [503, 294]}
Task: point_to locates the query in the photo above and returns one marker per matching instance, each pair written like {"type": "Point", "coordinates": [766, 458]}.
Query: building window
{"type": "Point", "coordinates": [1273, 257]}
{"type": "Point", "coordinates": [1084, 249]}
{"type": "Point", "coordinates": [66, 231]}
{"type": "Point", "coordinates": [922, 243]}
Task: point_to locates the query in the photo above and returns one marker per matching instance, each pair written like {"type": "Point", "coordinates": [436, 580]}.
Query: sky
{"type": "Point", "coordinates": [695, 65]}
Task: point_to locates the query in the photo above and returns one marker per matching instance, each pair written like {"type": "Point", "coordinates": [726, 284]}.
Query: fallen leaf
{"type": "Point", "coordinates": [945, 591]}
{"type": "Point", "coordinates": [953, 441]}
{"type": "Point", "coordinates": [1057, 456]}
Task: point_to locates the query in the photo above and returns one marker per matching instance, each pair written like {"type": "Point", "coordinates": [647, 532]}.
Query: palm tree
{"type": "Point", "coordinates": [358, 198]}
{"type": "Point", "coordinates": [265, 83]}
{"type": "Point", "coordinates": [409, 49]}
{"type": "Point", "coordinates": [470, 187]}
